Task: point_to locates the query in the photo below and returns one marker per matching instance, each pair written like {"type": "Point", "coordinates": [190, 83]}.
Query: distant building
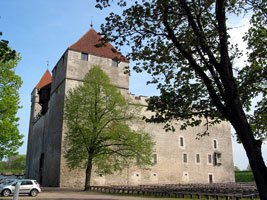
{"type": "Point", "coordinates": [179, 157]}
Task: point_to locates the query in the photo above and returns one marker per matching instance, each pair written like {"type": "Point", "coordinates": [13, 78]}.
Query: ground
{"type": "Point", "coordinates": [73, 194]}
{"type": "Point", "coordinates": [78, 194]}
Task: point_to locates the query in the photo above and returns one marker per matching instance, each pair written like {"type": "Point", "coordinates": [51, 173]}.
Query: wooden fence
{"type": "Point", "coordinates": [216, 190]}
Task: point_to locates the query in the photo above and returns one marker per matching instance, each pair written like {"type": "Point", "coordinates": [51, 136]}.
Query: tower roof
{"type": "Point", "coordinates": [45, 80]}
{"type": "Point", "coordinates": [87, 44]}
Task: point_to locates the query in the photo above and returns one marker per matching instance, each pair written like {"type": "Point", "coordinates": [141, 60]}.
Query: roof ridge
{"type": "Point", "coordinates": [87, 44]}
{"type": "Point", "coordinates": [81, 37]}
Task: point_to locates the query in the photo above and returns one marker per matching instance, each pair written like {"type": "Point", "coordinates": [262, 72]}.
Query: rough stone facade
{"type": "Point", "coordinates": [179, 156]}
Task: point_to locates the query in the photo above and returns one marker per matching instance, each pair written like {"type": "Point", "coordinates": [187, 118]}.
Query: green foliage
{"type": "Point", "coordinates": [10, 138]}
{"type": "Point", "coordinates": [244, 176]}
{"type": "Point", "coordinates": [179, 44]}
{"type": "Point", "coordinates": [236, 169]}
{"type": "Point", "coordinates": [184, 45]}
{"type": "Point", "coordinates": [14, 165]}
{"type": "Point", "coordinates": [97, 118]}
{"type": "Point", "coordinates": [3, 166]}
{"type": "Point", "coordinates": [256, 38]}
{"type": "Point", "coordinates": [6, 53]}
{"type": "Point", "coordinates": [17, 162]}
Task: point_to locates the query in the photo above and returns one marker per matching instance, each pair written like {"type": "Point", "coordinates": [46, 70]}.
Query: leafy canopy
{"type": "Point", "coordinates": [252, 77]}
{"type": "Point", "coordinates": [97, 119]}
{"type": "Point", "coordinates": [184, 46]}
{"type": "Point", "coordinates": [10, 138]}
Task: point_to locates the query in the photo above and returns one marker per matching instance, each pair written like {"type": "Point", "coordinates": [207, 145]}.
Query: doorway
{"type": "Point", "coordinates": [210, 178]}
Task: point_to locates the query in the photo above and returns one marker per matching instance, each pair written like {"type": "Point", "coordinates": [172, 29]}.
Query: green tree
{"type": "Point", "coordinates": [3, 166]}
{"type": "Point", "coordinates": [184, 45]}
{"type": "Point", "coordinates": [237, 169]}
{"type": "Point", "coordinates": [98, 134]}
{"type": "Point", "coordinates": [10, 138]}
{"type": "Point", "coordinates": [256, 38]}
{"type": "Point", "coordinates": [17, 162]}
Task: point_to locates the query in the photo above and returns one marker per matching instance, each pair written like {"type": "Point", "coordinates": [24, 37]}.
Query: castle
{"type": "Point", "coordinates": [178, 158]}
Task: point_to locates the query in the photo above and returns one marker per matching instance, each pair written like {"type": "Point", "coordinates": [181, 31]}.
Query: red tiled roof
{"type": "Point", "coordinates": [87, 44]}
{"type": "Point", "coordinates": [45, 80]}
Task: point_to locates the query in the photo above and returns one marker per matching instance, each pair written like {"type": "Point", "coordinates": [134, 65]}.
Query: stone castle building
{"type": "Point", "coordinates": [179, 157]}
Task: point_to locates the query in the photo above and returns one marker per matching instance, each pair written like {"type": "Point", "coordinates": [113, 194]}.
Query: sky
{"type": "Point", "coordinates": [42, 30]}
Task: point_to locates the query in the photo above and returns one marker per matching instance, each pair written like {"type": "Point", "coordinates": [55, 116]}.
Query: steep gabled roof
{"type": "Point", "coordinates": [87, 44]}
{"type": "Point", "coordinates": [45, 80]}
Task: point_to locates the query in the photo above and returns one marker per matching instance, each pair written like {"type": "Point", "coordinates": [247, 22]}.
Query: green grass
{"type": "Point", "coordinates": [11, 171]}
{"type": "Point", "coordinates": [244, 176]}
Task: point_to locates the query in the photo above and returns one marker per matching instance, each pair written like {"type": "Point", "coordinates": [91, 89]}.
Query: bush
{"type": "Point", "coordinates": [14, 165]}
{"type": "Point", "coordinates": [244, 176]}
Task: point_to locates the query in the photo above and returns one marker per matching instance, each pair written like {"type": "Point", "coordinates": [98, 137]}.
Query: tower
{"type": "Point", "coordinates": [39, 103]}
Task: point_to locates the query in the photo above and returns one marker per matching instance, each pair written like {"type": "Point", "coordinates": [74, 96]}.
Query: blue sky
{"type": "Point", "coordinates": [42, 30]}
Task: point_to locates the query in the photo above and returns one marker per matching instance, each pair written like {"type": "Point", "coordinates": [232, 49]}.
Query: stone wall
{"type": "Point", "coordinates": [47, 138]}
{"type": "Point", "coordinates": [52, 151]}
{"type": "Point", "coordinates": [170, 167]}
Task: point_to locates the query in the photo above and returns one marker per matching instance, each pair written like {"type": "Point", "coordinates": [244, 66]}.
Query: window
{"type": "Point", "coordinates": [114, 63]}
{"type": "Point", "coordinates": [215, 144]}
{"type": "Point", "coordinates": [209, 159]}
{"type": "Point", "coordinates": [155, 158]}
{"type": "Point", "coordinates": [181, 142]}
{"type": "Point", "coordinates": [26, 183]}
{"type": "Point", "coordinates": [84, 56]}
{"type": "Point", "coordinates": [217, 159]}
{"type": "Point", "coordinates": [197, 158]}
{"type": "Point", "coordinates": [185, 157]}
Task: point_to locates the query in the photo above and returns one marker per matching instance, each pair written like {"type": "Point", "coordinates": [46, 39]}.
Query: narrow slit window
{"type": "Point", "coordinates": [215, 144]}
{"type": "Point", "coordinates": [185, 157]}
{"type": "Point", "coordinates": [209, 158]}
{"type": "Point", "coordinates": [197, 158]}
{"type": "Point", "coordinates": [155, 158]}
{"type": "Point", "coordinates": [181, 141]}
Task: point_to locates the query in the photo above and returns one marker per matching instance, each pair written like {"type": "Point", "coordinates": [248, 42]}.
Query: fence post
{"type": "Point", "coordinates": [16, 193]}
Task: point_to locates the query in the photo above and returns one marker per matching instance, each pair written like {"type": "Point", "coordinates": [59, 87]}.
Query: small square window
{"type": "Point", "coordinates": [114, 63]}
{"type": "Point", "coordinates": [84, 56]}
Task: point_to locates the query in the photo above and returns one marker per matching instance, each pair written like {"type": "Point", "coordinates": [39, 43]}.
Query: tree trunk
{"type": "Point", "coordinates": [253, 151]}
{"type": "Point", "coordinates": [88, 173]}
